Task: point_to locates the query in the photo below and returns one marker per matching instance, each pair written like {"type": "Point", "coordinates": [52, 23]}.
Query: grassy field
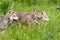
{"type": "Point", "coordinates": [46, 31]}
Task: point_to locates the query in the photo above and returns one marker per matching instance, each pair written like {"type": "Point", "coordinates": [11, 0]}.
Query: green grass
{"type": "Point", "coordinates": [46, 31]}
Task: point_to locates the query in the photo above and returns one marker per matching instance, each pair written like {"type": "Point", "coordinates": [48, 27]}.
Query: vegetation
{"type": "Point", "coordinates": [46, 31]}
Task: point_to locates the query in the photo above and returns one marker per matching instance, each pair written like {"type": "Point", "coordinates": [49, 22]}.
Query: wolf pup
{"type": "Point", "coordinates": [4, 22]}
{"type": "Point", "coordinates": [27, 17]}
{"type": "Point", "coordinates": [12, 16]}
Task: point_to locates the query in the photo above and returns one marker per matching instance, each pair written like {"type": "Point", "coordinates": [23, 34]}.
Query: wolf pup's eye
{"type": "Point", "coordinates": [14, 15]}
{"type": "Point", "coordinates": [41, 17]}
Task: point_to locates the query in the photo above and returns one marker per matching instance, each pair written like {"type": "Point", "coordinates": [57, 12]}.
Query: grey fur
{"type": "Point", "coordinates": [27, 17]}
{"type": "Point", "coordinates": [4, 22]}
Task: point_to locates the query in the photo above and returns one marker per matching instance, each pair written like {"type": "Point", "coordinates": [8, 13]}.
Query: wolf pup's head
{"type": "Point", "coordinates": [44, 16]}
{"type": "Point", "coordinates": [12, 15]}
{"type": "Point", "coordinates": [41, 15]}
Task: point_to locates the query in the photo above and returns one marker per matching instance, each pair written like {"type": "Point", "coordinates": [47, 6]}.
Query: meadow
{"type": "Point", "coordinates": [46, 31]}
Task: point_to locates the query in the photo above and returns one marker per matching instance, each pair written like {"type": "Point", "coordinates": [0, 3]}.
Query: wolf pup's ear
{"type": "Point", "coordinates": [35, 11]}
{"type": "Point", "coordinates": [11, 11]}
{"type": "Point", "coordinates": [43, 12]}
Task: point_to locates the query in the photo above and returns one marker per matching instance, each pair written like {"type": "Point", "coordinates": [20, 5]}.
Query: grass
{"type": "Point", "coordinates": [46, 31]}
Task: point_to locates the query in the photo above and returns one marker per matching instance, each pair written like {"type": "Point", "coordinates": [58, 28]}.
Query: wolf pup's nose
{"type": "Point", "coordinates": [14, 20]}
